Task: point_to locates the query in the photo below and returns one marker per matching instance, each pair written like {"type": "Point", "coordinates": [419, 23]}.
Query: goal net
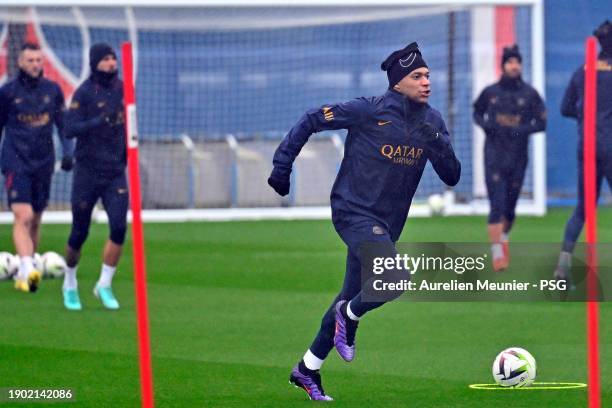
{"type": "Point", "coordinates": [218, 87]}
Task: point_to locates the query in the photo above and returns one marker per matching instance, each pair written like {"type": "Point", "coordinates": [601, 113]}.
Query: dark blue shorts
{"type": "Point", "coordinates": [87, 187]}
{"type": "Point", "coordinates": [28, 188]}
{"type": "Point", "coordinates": [504, 183]}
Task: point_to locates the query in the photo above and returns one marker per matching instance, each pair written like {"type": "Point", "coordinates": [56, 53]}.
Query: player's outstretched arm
{"type": "Point", "coordinates": [328, 117]}
{"type": "Point", "coordinates": [440, 152]}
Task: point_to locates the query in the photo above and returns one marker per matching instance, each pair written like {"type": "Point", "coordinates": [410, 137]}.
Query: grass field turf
{"type": "Point", "coordinates": [233, 306]}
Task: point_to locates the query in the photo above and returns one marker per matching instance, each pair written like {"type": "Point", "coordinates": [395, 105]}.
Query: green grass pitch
{"type": "Point", "coordinates": [233, 306]}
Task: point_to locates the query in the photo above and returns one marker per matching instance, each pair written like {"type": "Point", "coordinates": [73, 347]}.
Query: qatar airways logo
{"type": "Point", "coordinates": [402, 154]}
{"type": "Point", "coordinates": [34, 119]}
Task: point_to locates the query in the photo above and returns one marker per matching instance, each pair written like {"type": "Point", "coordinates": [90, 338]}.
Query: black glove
{"type": "Point", "coordinates": [279, 181]}
{"type": "Point", "coordinates": [490, 127]}
{"type": "Point", "coordinates": [434, 142]}
{"type": "Point", "coordinates": [67, 163]}
{"type": "Point", "coordinates": [110, 118]}
{"type": "Point", "coordinates": [429, 134]}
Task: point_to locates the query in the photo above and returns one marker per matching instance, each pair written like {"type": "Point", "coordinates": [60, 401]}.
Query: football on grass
{"type": "Point", "coordinates": [514, 367]}
{"type": "Point", "coordinates": [53, 265]}
{"type": "Point", "coordinates": [9, 264]}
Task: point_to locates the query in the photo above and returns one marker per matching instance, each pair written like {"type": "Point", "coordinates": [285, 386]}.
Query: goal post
{"type": "Point", "coordinates": [220, 83]}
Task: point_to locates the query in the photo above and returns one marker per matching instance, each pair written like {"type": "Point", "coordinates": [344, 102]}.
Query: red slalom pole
{"type": "Point", "coordinates": [140, 280]}
{"type": "Point", "coordinates": [590, 201]}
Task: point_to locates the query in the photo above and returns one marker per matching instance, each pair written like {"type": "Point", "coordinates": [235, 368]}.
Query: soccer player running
{"type": "Point", "coordinates": [96, 118]}
{"type": "Point", "coordinates": [572, 107]}
{"type": "Point", "coordinates": [29, 107]}
{"type": "Point", "coordinates": [390, 138]}
{"type": "Point", "coordinates": [508, 112]}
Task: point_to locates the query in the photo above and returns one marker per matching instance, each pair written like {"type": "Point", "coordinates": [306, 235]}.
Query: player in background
{"type": "Point", "coordinates": [30, 105]}
{"type": "Point", "coordinates": [572, 107]}
{"type": "Point", "coordinates": [390, 138]}
{"type": "Point", "coordinates": [508, 112]}
{"type": "Point", "coordinates": [96, 119]}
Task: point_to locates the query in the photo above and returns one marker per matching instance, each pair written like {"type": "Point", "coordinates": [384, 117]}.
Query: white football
{"type": "Point", "coordinates": [53, 265]}
{"type": "Point", "coordinates": [514, 367]}
{"type": "Point", "coordinates": [436, 204]}
{"type": "Point", "coordinates": [9, 265]}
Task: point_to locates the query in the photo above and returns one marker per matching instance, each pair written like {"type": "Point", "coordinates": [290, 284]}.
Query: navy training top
{"type": "Point", "coordinates": [384, 156]}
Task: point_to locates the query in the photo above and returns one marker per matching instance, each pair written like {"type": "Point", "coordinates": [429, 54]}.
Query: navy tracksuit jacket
{"type": "Point", "coordinates": [28, 110]}
{"type": "Point", "coordinates": [384, 157]}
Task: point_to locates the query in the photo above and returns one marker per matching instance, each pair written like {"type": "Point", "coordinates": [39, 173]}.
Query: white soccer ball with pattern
{"type": "Point", "coordinates": [436, 204]}
{"type": "Point", "coordinates": [53, 265]}
{"type": "Point", "coordinates": [9, 265]}
{"type": "Point", "coordinates": [514, 367]}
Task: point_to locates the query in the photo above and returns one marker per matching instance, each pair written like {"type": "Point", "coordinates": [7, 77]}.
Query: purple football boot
{"type": "Point", "coordinates": [310, 381]}
{"type": "Point", "coordinates": [344, 338]}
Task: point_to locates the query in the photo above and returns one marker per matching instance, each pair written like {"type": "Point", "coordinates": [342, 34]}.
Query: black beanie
{"type": "Point", "coordinates": [402, 62]}
{"type": "Point", "coordinates": [97, 52]}
{"type": "Point", "coordinates": [604, 35]}
{"type": "Point", "coordinates": [511, 52]}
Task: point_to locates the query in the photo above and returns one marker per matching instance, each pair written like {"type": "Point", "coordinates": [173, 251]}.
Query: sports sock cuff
{"type": "Point", "coordinates": [70, 281]}
{"type": "Point", "coordinates": [497, 251]}
{"type": "Point", "coordinates": [106, 275]}
{"type": "Point", "coordinates": [27, 262]}
{"type": "Point", "coordinates": [350, 313]}
{"type": "Point", "coordinates": [311, 361]}
{"type": "Point", "coordinates": [107, 268]}
{"type": "Point", "coordinates": [25, 266]}
{"type": "Point", "coordinates": [565, 258]}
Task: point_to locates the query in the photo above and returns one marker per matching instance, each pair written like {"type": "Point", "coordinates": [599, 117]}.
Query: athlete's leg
{"type": "Point", "coordinates": [514, 184]}
{"type": "Point", "coordinates": [19, 193]}
{"type": "Point", "coordinates": [513, 192]}
{"type": "Point", "coordinates": [574, 225]}
{"type": "Point", "coordinates": [116, 201]}
{"type": "Point", "coordinates": [369, 241]}
{"type": "Point", "coordinates": [306, 373]}
{"type": "Point", "coordinates": [83, 199]}
{"type": "Point", "coordinates": [41, 190]}
{"type": "Point", "coordinates": [496, 189]}
{"type": "Point", "coordinates": [324, 340]}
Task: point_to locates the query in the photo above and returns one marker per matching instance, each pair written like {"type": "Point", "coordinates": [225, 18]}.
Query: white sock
{"type": "Point", "coordinates": [311, 361]}
{"type": "Point", "coordinates": [505, 237]}
{"type": "Point", "coordinates": [565, 259]}
{"type": "Point", "coordinates": [106, 276]}
{"type": "Point", "coordinates": [350, 313]}
{"type": "Point", "coordinates": [497, 250]}
{"type": "Point", "coordinates": [25, 267]}
{"type": "Point", "coordinates": [70, 280]}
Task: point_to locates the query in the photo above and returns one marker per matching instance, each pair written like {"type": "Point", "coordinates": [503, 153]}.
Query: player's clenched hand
{"type": "Point", "coordinates": [433, 139]}
{"type": "Point", "coordinates": [490, 126]}
{"type": "Point", "coordinates": [279, 181]}
{"type": "Point", "coordinates": [431, 136]}
{"type": "Point", "coordinates": [110, 118]}
{"type": "Point", "coordinates": [67, 163]}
